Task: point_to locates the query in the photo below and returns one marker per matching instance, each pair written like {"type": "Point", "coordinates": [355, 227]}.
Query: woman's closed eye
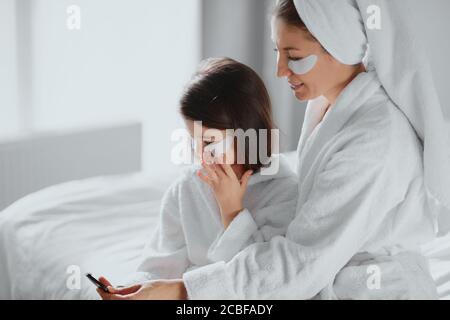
{"type": "Point", "coordinates": [289, 57]}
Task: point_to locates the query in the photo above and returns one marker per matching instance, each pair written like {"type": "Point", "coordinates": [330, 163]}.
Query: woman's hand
{"type": "Point", "coordinates": [228, 190]}
{"type": "Point", "coordinates": [152, 290]}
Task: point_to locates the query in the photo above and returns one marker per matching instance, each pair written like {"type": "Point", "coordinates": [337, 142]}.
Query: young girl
{"type": "Point", "coordinates": [198, 208]}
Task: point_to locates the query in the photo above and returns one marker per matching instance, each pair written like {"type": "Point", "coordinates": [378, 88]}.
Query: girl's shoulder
{"type": "Point", "coordinates": [185, 182]}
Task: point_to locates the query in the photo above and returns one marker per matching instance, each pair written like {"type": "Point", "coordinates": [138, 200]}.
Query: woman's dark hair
{"type": "Point", "coordinates": [225, 94]}
{"type": "Point", "coordinates": [287, 12]}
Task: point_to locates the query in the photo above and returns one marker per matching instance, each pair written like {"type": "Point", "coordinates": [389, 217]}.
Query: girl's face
{"type": "Point", "coordinates": [204, 138]}
{"type": "Point", "coordinates": [293, 44]}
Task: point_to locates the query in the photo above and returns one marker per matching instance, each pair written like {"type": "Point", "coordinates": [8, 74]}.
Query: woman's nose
{"type": "Point", "coordinates": [283, 70]}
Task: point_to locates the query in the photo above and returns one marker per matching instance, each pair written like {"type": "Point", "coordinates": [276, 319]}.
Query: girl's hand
{"type": "Point", "coordinates": [228, 190]}
{"type": "Point", "coordinates": [153, 290]}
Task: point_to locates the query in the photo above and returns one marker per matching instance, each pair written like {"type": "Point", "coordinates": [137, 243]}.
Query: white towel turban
{"type": "Point", "coordinates": [403, 69]}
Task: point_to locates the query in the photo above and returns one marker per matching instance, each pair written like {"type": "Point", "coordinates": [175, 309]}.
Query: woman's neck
{"type": "Point", "coordinates": [334, 93]}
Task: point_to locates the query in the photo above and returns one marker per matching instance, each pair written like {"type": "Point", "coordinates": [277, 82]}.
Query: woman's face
{"type": "Point", "coordinates": [293, 44]}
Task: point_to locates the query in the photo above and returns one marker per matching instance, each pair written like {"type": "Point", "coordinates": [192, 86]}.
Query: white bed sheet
{"type": "Point", "coordinates": [100, 225]}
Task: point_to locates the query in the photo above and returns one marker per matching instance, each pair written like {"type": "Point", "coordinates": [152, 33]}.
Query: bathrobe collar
{"type": "Point", "coordinates": [348, 102]}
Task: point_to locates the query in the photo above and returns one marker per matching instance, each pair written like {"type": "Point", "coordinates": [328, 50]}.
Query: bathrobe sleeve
{"type": "Point", "coordinates": [244, 230]}
{"type": "Point", "coordinates": [348, 200]}
{"type": "Point", "coordinates": [165, 255]}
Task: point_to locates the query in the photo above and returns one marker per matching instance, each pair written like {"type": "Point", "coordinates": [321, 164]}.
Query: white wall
{"type": "Point", "coordinates": [129, 61]}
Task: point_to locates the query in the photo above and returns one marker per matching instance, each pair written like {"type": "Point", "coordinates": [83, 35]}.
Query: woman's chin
{"type": "Point", "coordinates": [301, 96]}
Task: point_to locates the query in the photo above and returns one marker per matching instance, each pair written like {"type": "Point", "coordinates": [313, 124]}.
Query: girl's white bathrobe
{"type": "Point", "coordinates": [360, 190]}
{"type": "Point", "coordinates": [190, 231]}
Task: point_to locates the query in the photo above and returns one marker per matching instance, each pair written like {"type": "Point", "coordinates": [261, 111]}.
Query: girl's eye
{"type": "Point", "coordinates": [207, 142]}
{"type": "Point", "coordinates": [294, 59]}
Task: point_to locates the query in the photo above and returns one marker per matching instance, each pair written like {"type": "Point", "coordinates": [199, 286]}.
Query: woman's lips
{"type": "Point", "coordinates": [295, 87]}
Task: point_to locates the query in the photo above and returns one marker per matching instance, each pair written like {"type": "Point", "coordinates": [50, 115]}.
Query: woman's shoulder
{"type": "Point", "coordinates": [375, 115]}
{"type": "Point", "coordinates": [381, 113]}
{"type": "Point", "coordinates": [382, 131]}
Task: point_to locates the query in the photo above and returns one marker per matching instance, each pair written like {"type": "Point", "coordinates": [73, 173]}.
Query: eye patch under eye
{"type": "Point", "coordinates": [219, 148]}
{"type": "Point", "coordinates": [304, 65]}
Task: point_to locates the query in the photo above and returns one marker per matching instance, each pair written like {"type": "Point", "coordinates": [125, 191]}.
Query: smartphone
{"type": "Point", "coordinates": [97, 283]}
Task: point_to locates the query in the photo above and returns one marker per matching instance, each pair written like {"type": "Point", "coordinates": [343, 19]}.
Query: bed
{"type": "Point", "coordinates": [51, 238]}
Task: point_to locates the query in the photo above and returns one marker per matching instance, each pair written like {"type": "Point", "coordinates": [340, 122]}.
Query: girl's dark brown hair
{"type": "Point", "coordinates": [225, 94]}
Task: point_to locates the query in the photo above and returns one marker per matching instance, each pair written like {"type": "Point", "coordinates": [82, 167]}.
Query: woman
{"type": "Point", "coordinates": [368, 190]}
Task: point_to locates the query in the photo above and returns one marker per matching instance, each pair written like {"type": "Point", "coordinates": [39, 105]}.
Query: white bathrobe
{"type": "Point", "coordinates": [361, 190]}
{"type": "Point", "coordinates": [190, 231]}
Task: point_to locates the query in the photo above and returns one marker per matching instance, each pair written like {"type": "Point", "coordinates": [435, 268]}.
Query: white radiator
{"type": "Point", "coordinates": [31, 163]}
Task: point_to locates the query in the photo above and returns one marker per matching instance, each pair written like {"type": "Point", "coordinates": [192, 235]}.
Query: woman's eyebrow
{"type": "Point", "coordinates": [291, 48]}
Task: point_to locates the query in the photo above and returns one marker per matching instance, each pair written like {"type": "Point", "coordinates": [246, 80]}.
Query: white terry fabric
{"type": "Point", "coordinates": [403, 276]}
{"type": "Point", "coordinates": [404, 72]}
{"type": "Point", "coordinates": [361, 190]}
{"type": "Point", "coordinates": [190, 232]}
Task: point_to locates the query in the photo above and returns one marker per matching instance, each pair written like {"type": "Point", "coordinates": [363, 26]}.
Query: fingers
{"type": "Point", "coordinates": [204, 178]}
{"type": "Point", "coordinates": [244, 180]}
{"type": "Point", "coordinates": [227, 168]}
{"type": "Point", "coordinates": [120, 294]}
{"type": "Point", "coordinates": [113, 292]}
{"type": "Point", "coordinates": [219, 171]}
{"type": "Point", "coordinates": [228, 171]}
{"type": "Point", "coordinates": [105, 281]}
{"type": "Point", "coordinates": [215, 172]}
{"type": "Point", "coordinates": [108, 284]}
{"type": "Point", "coordinates": [212, 175]}
{"type": "Point", "coordinates": [126, 290]}
{"type": "Point", "coordinates": [104, 295]}
{"type": "Point", "coordinates": [137, 295]}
